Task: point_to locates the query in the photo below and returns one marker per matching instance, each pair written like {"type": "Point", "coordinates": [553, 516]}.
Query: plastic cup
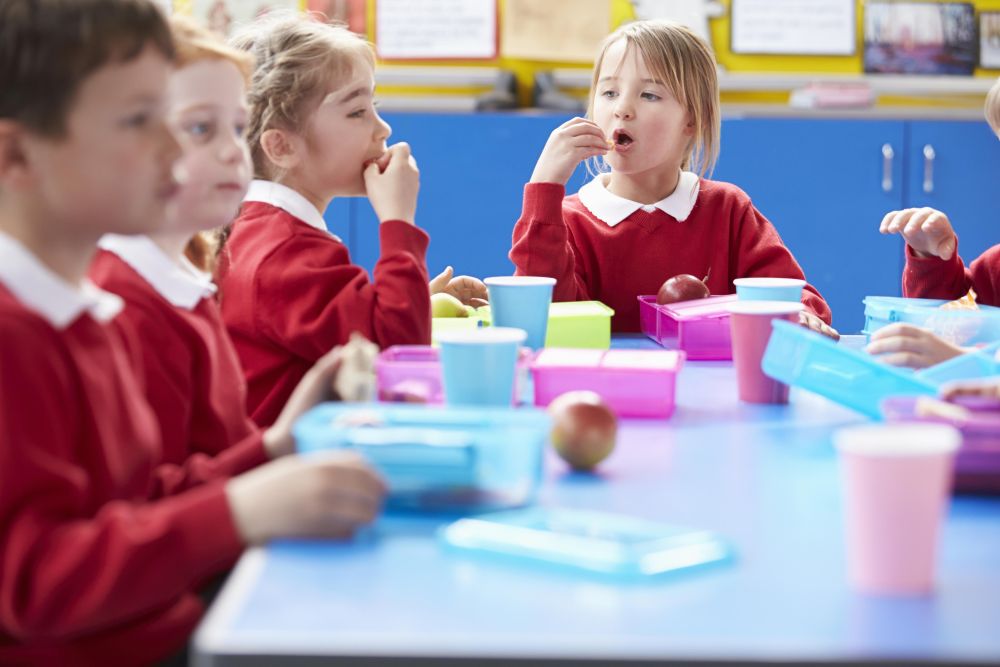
{"type": "Point", "coordinates": [522, 302]}
{"type": "Point", "coordinates": [896, 481]}
{"type": "Point", "coordinates": [769, 289]}
{"type": "Point", "coordinates": [750, 329]}
{"type": "Point", "coordinates": [478, 365]}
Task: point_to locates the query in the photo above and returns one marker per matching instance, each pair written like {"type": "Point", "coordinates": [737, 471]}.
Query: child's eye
{"type": "Point", "coordinates": [240, 129]}
{"type": "Point", "coordinates": [137, 120]}
{"type": "Point", "coordinates": [357, 114]}
{"type": "Point", "coordinates": [376, 102]}
{"type": "Point", "coordinates": [201, 130]}
{"type": "Point", "coordinates": [609, 94]}
{"type": "Point", "coordinates": [653, 97]}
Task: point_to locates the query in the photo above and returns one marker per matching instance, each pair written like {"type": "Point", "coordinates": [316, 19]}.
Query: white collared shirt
{"type": "Point", "coordinates": [289, 201]}
{"type": "Point", "coordinates": [48, 294]}
{"type": "Point", "coordinates": [612, 209]}
{"type": "Point", "coordinates": [179, 282]}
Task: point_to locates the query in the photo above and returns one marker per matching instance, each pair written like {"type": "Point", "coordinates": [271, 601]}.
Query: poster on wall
{"type": "Point", "coordinates": [920, 38]}
{"type": "Point", "coordinates": [793, 27]}
{"type": "Point", "coordinates": [225, 16]}
{"type": "Point", "coordinates": [989, 40]}
{"type": "Point", "coordinates": [436, 29]}
{"type": "Point", "coordinates": [352, 12]}
{"type": "Point", "coordinates": [554, 30]}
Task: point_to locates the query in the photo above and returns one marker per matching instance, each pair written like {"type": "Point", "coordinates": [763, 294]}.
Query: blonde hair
{"type": "Point", "coordinates": [299, 59]}
{"type": "Point", "coordinates": [685, 64]}
{"type": "Point", "coordinates": [195, 43]}
{"type": "Point", "coordinates": [992, 107]}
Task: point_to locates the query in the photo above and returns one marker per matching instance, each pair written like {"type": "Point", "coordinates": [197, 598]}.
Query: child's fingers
{"type": "Point", "coordinates": [898, 219]}
{"type": "Point", "coordinates": [896, 329]}
{"type": "Point", "coordinates": [903, 360]}
{"type": "Point", "coordinates": [590, 141]}
{"type": "Point", "coordinates": [441, 280]}
{"type": "Point", "coordinates": [946, 248]}
{"type": "Point", "coordinates": [916, 222]}
{"type": "Point", "coordinates": [883, 227]}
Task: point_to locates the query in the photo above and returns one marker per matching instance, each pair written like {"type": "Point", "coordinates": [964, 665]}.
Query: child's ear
{"type": "Point", "coordinates": [281, 148]}
{"type": "Point", "coordinates": [13, 157]}
{"type": "Point", "coordinates": [689, 129]}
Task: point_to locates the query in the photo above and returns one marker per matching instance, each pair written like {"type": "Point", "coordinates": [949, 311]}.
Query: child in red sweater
{"type": "Point", "coordinates": [193, 379]}
{"type": "Point", "coordinates": [653, 114]}
{"type": "Point", "coordinates": [289, 291]}
{"type": "Point", "coordinates": [92, 571]}
{"type": "Point", "coordinates": [934, 270]}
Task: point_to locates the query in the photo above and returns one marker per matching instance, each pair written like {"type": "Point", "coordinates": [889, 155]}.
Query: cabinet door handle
{"type": "Point", "coordinates": [929, 156]}
{"type": "Point", "coordinates": [887, 155]}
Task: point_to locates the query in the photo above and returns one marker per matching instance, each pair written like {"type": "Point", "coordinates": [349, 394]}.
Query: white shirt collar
{"type": "Point", "coordinates": [180, 283]}
{"type": "Point", "coordinates": [287, 200]}
{"type": "Point", "coordinates": [48, 294]}
{"type": "Point", "coordinates": [612, 209]}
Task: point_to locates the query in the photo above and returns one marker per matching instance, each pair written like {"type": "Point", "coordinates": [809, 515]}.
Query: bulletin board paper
{"type": "Point", "coordinates": [435, 29]}
{"type": "Point", "coordinates": [556, 30]}
{"type": "Point", "coordinates": [793, 27]}
{"type": "Point", "coordinates": [226, 16]}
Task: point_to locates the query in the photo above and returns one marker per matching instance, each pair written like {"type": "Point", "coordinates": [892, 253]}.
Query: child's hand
{"type": "Point", "coordinates": [811, 321]}
{"type": "Point", "coordinates": [569, 144]}
{"type": "Point", "coordinates": [315, 386]}
{"type": "Point", "coordinates": [470, 291]}
{"type": "Point", "coordinates": [392, 188]}
{"type": "Point", "coordinates": [325, 495]}
{"type": "Point", "coordinates": [906, 345]}
{"type": "Point", "coordinates": [985, 388]}
{"type": "Point", "coordinates": [926, 230]}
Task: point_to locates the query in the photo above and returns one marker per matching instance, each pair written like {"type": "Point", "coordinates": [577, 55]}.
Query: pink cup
{"type": "Point", "coordinates": [750, 326]}
{"type": "Point", "coordinates": [896, 489]}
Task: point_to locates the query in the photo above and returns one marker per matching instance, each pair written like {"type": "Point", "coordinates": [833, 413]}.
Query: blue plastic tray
{"type": "Point", "coordinates": [978, 364]}
{"type": "Point", "coordinates": [594, 541]}
{"type": "Point", "coordinates": [450, 459]}
{"type": "Point", "coordinates": [962, 327]}
{"type": "Point", "coordinates": [806, 359]}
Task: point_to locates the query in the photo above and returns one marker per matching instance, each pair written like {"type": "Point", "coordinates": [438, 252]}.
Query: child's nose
{"type": "Point", "coordinates": [624, 110]}
{"type": "Point", "coordinates": [383, 131]}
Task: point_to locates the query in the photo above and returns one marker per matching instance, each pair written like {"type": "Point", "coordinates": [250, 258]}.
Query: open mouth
{"type": "Point", "coordinates": [622, 138]}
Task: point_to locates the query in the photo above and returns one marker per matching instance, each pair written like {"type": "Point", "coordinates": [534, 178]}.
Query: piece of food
{"type": "Point", "coordinates": [355, 380]}
{"type": "Point", "coordinates": [583, 428]}
{"type": "Point", "coordinates": [445, 305]}
{"type": "Point", "coordinates": [967, 302]}
{"type": "Point", "coordinates": [684, 287]}
{"type": "Point", "coordinates": [932, 407]}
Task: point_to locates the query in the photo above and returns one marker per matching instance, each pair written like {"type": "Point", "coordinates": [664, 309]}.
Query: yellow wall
{"type": "Point", "coordinates": [621, 10]}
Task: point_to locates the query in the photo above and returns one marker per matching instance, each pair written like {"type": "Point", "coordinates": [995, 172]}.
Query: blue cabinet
{"type": "Point", "coordinates": [825, 184]}
{"type": "Point", "coordinates": [954, 167]}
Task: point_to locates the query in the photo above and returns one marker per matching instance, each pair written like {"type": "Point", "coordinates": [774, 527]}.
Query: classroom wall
{"type": "Point", "coordinates": [621, 10]}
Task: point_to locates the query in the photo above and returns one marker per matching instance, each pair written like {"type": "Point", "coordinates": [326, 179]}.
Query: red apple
{"type": "Point", "coordinates": [583, 428]}
{"type": "Point", "coordinates": [684, 287]}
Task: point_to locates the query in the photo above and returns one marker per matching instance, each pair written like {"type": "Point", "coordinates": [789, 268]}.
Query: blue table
{"type": "Point", "coordinates": [766, 477]}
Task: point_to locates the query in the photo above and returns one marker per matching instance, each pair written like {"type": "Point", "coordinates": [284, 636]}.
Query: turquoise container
{"type": "Point", "coordinates": [522, 302]}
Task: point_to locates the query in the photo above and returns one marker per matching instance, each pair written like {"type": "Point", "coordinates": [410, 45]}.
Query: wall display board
{"type": "Point", "coordinates": [920, 38]}
{"type": "Point", "coordinates": [436, 29]}
{"type": "Point", "coordinates": [793, 27]}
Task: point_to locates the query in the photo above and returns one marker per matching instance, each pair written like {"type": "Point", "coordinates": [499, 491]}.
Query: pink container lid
{"type": "Point", "coordinates": [700, 309]}
{"type": "Point", "coordinates": [640, 361]}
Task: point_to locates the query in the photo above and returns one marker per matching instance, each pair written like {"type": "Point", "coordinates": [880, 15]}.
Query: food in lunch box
{"type": "Point", "coordinates": [684, 287]}
{"type": "Point", "coordinates": [583, 428]}
{"type": "Point", "coordinates": [355, 380]}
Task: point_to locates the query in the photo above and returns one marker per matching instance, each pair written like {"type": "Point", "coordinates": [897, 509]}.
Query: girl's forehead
{"type": "Point", "coordinates": [618, 55]}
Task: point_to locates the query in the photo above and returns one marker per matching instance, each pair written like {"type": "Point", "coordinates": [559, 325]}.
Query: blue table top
{"type": "Point", "coordinates": [764, 476]}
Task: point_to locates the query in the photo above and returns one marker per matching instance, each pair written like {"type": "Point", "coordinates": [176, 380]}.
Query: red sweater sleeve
{"type": "Point", "coordinates": [74, 557]}
{"type": "Point", "coordinates": [307, 297]}
{"type": "Point", "coordinates": [935, 278]}
{"type": "Point", "coordinates": [199, 469]}
{"type": "Point", "coordinates": [542, 243]}
{"type": "Point", "coordinates": [761, 253]}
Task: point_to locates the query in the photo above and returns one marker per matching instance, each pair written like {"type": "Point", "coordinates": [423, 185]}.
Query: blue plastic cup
{"type": "Point", "coordinates": [522, 302]}
{"type": "Point", "coordinates": [769, 289]}
{"type": "Point", "coordinates": [478, 365]}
